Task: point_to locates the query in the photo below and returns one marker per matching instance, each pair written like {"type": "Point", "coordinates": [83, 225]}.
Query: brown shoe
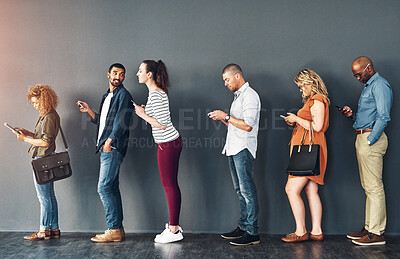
{"type": "Point", "coordinates": [290, 238]}
{"type": "Point", "coordinates": [111, 235]}
{"type": "Point", "coordinates": [370, 239]}
{"type": "Point", "coordinates": [123, 234]}
{"type": "Point", "coordinates": [358, 235]}
{"type": "Point", "coordinates": [39, 235]}
{"type": "Point", "coordinates": [55, 233]}
{"type": "Point", "coordinates": [319, 237]}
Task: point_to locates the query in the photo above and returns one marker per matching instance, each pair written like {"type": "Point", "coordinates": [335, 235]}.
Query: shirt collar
{"type": "Point", "coordinates": [241, 90]}
{"type": "Point", "coordinates": [371, 79]}
{"type": "Point", "coordinates": [116, 89]}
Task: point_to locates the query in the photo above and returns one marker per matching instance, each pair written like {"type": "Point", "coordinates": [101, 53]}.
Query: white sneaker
{"type": "Point", "coordinates": [167, 236]}
{"type": "Point", "coordinates": [165, 230]}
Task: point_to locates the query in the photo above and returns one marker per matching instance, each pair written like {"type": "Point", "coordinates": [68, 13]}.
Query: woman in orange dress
{"type": "Point", "coordinates": [316, 111]}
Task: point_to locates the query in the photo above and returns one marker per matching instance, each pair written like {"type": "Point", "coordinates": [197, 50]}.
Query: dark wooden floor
{"type": "Point", "coordinates": [78, 245]}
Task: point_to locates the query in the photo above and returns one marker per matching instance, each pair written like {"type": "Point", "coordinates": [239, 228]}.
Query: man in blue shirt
{"type": "Point", "coordinates": [112, 142]}
{"type": "Point", "coordinates": [371, 119]}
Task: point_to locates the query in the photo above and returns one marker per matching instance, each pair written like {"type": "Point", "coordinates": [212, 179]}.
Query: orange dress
{"type": "Point", "coordinates": [319, 137]}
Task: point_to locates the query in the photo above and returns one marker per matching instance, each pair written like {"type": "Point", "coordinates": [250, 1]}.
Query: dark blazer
{"type": "Point", "coordinates": [118, 119]}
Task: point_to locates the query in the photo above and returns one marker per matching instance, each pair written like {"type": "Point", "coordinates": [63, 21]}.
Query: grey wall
{"type": "Point", "coordinates": [70, 44]}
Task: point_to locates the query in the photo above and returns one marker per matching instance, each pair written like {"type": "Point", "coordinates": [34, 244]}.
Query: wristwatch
{"type": "Point", "coordinates": [227, 117]}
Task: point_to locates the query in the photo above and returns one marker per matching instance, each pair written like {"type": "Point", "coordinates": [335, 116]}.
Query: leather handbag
{"type": "Point", "coordinates": [53, 167]}
{"type": "Point", "coordinates": [304, 160]}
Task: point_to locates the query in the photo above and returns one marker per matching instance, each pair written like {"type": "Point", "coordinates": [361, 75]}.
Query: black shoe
{"type": "Point", "coordinates": [246, 239]}
{"type": "Point", "coordinates": [236, 233]}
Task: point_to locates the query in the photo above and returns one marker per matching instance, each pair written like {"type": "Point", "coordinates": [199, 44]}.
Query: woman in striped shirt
{"type": "Point", "coordinates": [156, 112]}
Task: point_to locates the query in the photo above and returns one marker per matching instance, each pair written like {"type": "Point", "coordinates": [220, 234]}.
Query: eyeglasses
{"type": "Point", "coordinates": [360, 74]}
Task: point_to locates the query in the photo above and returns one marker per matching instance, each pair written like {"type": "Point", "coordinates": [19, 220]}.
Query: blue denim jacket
{"type": "Point", "coordinates": [374, 107]}
{"type": "Point", "coordinates": [118, 119]}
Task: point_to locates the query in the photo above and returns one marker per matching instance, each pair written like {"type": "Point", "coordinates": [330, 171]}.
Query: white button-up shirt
{"type": "Point", "coordinates": [245, 106]}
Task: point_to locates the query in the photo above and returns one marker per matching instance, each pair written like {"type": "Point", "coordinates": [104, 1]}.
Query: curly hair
{"type": "Point", "coordinates": [308, 76]}
{"type": "Point", "coordinates": [47, 98]}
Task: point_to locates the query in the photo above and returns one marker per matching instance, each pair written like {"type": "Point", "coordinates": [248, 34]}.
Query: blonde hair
{"type": "Point", "coordinates": [308, 76]}
{"type": "Point", "coordinates": [47, 98]}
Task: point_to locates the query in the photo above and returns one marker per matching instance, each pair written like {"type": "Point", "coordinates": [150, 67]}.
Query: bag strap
{"type": "Point", "coordinates": [311, 133]}
{"type": "Point", "coordinates": [64, 140]}
{"type": "Point", "coordinates": [62, 135]}
{"type": "Point", "coordinates": [311, 136]}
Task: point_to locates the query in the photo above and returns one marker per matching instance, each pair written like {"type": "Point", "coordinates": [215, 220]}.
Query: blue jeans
{"type": "Point", "coordinates": [108, 187]}
{"type": "Point", "coordinates": [241, 167]}
{"type": "Point", "coordinates": [48, 204]}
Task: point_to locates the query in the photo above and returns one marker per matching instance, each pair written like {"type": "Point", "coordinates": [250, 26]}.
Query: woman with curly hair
{"type": "Point", "coordinates": [315, 114]}
{"type": "Point", "coordinates": [42, 140]}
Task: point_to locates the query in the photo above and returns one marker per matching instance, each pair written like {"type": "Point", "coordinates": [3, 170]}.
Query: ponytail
{"type": "Point", "coordinates": [160, 74]}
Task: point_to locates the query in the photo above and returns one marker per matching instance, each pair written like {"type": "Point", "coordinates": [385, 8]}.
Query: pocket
{"type": "Point", "coordinates": [380, 145]}
{"type": "Point", "coordinates": [102, 151]}
{"type": "Point", "coordinates": [45, 176]}
{"type": "Point", "coordinates": [366, 100]}
{"type": "Point", "coordinates": [62, 171]}
{"type": "Point", "coordinates": [105, 156]}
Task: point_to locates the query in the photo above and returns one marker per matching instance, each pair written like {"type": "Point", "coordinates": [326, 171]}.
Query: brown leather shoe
{"type": "Point", "coordinates": [358, 235]}
{"type": "Point", "coordinates": [111, 235]}
{"type": "Point", "coordinates": [55, 233]}
{"type": "Point", "coordinates": [290, 238]}
{"type": "Point", "coordinates": [39, 235]}
{"type": "Point", "coordinates": [370, 239]}
{"type": "Point", "coordinates": [319, 237]}
{"type": "Point", "coordinates": [123, 234]}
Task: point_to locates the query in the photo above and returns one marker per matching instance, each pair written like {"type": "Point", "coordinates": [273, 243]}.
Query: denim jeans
{"type": "Point", "coordinates": [108, 187]}
{"type": "Point", "coordinates": [48, 204]}
{"type": "Point", "coordinates": [241, 167]}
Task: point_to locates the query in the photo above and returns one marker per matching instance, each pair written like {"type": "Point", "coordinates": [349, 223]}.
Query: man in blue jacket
{"type": "Point", "coordinates": [112, 142]}
{"type": "Point", "coordinates": [370, 121]}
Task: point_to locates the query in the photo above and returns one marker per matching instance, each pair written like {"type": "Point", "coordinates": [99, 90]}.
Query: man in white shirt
{"type": "Point", "coordinates": [240, 148]}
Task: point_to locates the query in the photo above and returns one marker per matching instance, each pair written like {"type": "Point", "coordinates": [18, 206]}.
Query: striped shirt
{"type": "Point", "coordinates": [157, 106]}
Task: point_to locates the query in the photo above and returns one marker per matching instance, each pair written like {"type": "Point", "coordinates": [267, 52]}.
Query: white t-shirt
{"type": "Point", "coordinates": [103, 115]}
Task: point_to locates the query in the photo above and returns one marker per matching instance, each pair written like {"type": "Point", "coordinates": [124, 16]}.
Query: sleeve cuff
{"type": "Point", "coordinates": [369, 141]}
{"type": "Point", "coordinates": [250, 122]}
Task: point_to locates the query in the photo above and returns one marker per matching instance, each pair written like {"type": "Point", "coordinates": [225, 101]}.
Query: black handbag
{"type": "Point", "coordinates": [53, 167]}
{"type": "Point", "coordinates": [304, 160]}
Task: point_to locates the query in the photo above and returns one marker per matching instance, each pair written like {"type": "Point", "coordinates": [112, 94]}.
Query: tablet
{"type": "Point", "coordinates": [8, 126]}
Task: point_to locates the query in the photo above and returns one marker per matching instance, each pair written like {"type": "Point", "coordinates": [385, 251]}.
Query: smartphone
{"type": "Point", "coordinates": [340, 108]}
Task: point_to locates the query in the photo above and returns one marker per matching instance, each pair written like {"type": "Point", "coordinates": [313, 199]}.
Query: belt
{"type": "Point", "coordinates": [363, 131]}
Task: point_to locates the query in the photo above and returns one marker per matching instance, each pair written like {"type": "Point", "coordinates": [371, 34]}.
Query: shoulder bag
{"type": "Point", "coordinates": [53, 167]}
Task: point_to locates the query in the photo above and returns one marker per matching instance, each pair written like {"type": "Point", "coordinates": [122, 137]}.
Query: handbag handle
{"type": "Point", "coordinates": [311, 136]}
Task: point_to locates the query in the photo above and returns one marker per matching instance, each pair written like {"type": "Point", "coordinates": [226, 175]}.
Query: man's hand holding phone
{"type": "Point", "coordinates": [346, 110]}
{"type": "Point", "coordinates": [83, 107]}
